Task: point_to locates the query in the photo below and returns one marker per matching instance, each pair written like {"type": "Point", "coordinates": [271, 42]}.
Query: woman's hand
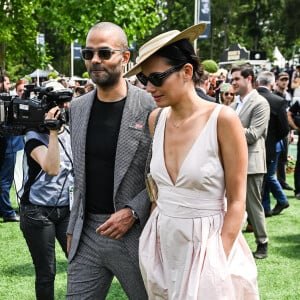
{"type": "Point", "coordinates": [51, 119]}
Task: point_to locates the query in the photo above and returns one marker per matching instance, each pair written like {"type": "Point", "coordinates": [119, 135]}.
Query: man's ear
{"type": "Point", "coordinates": [125, 58]}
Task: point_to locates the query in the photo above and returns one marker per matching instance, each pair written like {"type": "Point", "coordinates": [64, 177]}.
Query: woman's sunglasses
{"type": "Point", "coordinates": [103, 53]}
{"type": "Point", "coordinates": [158, 78]}
{"type": "Point", "coordinates": [227, 94]}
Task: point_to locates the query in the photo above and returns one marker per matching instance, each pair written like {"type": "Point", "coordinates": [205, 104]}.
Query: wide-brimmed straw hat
{"type": "Point", "coordinates": [163, 40]}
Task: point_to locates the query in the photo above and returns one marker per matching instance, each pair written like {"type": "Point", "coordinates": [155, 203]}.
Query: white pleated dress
{"type": "Point", "coordinates": [181, 251]}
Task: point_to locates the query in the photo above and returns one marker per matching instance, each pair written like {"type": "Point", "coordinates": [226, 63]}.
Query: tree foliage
{"type": "Point", "coordinates": [258, 25]}
{"type": "Point", "coordinates": [17, 32]}
{"type": "Point", "coordinates": [255, 24]}
{"type": "Point", "coordinates": [63, 22]}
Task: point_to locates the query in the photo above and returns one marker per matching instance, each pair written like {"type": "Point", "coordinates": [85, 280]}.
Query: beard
{"type": "Point", "coordinates": [107, 77]}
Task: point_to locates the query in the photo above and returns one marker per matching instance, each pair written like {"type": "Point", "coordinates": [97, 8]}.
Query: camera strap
{"type": "Point", "coordinates": [64, 148]}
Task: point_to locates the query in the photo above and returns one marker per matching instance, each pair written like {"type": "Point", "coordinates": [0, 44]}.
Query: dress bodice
{"type": "Point", "coordinates": [200, 182]}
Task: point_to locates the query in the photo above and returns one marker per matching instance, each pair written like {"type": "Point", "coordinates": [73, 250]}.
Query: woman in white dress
{"type": "Point", "coordinates": [192, 246]}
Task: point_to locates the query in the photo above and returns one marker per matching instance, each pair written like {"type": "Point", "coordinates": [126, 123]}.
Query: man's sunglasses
{"type": "Point", "coordinates": [103, 53]}
{"type": "Point", "coordinates": [158, 78]}
{"type": "Point", "coordinates": [227, 94]}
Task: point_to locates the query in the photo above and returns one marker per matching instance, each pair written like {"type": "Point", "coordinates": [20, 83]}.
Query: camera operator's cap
{"type": "Point", "coordinates": [163, 40]}
{"type": "Point", "coordinates": [283, 75]}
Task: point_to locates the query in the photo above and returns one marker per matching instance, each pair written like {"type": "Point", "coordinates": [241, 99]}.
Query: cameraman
{"type": "Point", "coordinates": [47, 191]}
{"type": "Point", "coordinates": [9, 147]}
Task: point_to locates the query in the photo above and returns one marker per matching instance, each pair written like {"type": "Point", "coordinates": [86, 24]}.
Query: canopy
{"type": "Point", "coordinates": [41, 73]}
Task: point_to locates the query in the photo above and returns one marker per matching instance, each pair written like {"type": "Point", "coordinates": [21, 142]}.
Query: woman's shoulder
{"type": "Point", "coordinates": [153, 118]}
{"type": "Point", "coordinates": [227, 115]}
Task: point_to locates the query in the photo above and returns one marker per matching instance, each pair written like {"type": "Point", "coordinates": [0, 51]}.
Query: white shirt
{"type": "Point", "coordinates": [240, 103]}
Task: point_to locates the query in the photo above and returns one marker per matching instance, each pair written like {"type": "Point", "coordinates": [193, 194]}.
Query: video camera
{"type": "Point", "coordinates": [18, 115]}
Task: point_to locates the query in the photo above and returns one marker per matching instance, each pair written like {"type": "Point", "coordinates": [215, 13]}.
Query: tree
{"type": "Point", "coordinates": [63, 22]}
{"type": "Point", "coordinates": [255, 24]}
{"type": "Point", "coordinates": [137, 18]}
{"type": "Point", "coordinates": [17, 32]}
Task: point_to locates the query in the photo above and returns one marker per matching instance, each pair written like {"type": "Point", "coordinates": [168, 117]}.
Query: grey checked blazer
{"type": "Point", "coordinates": [132, 149]}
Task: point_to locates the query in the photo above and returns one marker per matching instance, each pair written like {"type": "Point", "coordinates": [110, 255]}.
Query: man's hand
{"type": "Point", "coordinates": [117, 225]}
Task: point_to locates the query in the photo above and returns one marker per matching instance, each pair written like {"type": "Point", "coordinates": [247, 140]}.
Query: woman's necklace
{"type": "Point", "coordinates": [179, 123]}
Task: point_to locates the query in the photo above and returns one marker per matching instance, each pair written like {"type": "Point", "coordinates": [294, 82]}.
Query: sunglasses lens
{"type": "Point", "coordinates": [87, 54]}
{"type": "Point", "coordinates": [142, 78]}
{"type": "Point", "coordinates": [104, 54]}
{"type": "Point", "coordinates": [156, 80]}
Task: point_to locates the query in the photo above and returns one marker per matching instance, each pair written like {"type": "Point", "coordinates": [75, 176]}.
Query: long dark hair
{"type": "Point", "coordinates": [181, 52]}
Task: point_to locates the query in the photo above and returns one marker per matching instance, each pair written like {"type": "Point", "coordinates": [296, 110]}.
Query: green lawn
{"type": "Point", "coordinates": [278, 278]}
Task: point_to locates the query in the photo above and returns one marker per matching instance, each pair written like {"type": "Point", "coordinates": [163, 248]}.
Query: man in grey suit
{"type": "Point", "coordinates": [110, 142]}
{"type": "Point", "coordinates": [254, 113]}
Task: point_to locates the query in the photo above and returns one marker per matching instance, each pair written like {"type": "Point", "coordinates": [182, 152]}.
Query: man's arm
{"type": "Point", "coordinates": [260, 116]}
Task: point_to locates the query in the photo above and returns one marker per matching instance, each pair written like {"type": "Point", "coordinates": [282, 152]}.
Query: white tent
{"type": "Point", "coordinates": [279, 59]}
{"type": "Point", "coordinates": [39, 73]}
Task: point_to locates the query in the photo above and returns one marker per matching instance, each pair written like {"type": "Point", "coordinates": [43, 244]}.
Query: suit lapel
{"type": "Point", "coordinates": [248, 104]}
{"type": "Point", "coordinates": [131, 130]}
{"type": "Point", "coordinates": [80, 124]}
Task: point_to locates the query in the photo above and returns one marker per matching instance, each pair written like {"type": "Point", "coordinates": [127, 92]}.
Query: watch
{"type": "Point", "coordinates": [134, 214]}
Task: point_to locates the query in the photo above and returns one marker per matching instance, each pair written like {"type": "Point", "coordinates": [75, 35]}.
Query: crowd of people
{"type": "Point", "coordinates": [84, 181]}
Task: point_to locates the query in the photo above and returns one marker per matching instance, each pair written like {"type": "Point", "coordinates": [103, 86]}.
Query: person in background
{"type": "Point", "coordinates": [278, 129]}
{"type": "Point", "coordinates": [193, 241]}
{"type": "Point", "coordinates": [20, 87]}
{"type": "Point", "coordinates": [13, 145]}
{"type": "Point", "coordinates": [202, 87]}
{"type": "Point", "coordinates": [89, 86]}
{"type": "Point", "coordinates": [293, 111]}
{"type": "Point", "coordinates": [227, 94]}
{"type": "Point", "coordinates": [45, 199]}
{"type": "Point", "coordinates": [4, 83]}
{"type": "Point", "coordinates": [295, 84]}
{"type": "Point", "coordinates": [79, 91]}
{"type": "Point", "coordinates": [254, 113]}
{"type": "Point", "coordinates": [133, 80]}
{"type": "Point", "coordinates": [110, 144]}
{"type": "Point", "coordinates": [63, 82]}
{"type": "Point", "coordinates": [281, 89]}
{"type": "Point", "coordinates": [289, 69]}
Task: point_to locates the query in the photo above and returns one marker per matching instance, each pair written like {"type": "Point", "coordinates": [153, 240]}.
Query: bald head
{"type": "Point", "coordinates": [116, 32]}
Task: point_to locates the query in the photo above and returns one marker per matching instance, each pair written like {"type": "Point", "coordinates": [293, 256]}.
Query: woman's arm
{"type": "Point", "coordinates": [234, 155]}
{"type": "Point", "coordinates": [49, 158]}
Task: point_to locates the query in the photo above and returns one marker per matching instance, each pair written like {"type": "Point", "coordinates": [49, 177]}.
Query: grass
{"type": "Point", "coordinates": [278, 274]}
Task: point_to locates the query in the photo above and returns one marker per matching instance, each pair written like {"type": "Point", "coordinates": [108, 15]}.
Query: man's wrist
{"type": "Point", "coordinates": [134, 214]}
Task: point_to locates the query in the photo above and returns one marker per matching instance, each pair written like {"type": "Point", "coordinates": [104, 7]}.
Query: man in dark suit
{"type": "Point", "coordinates": [202, 87]}
{"type": "Point", "coordinates": [277, 130]}
{"type": "Point", "coordinates": [282, 82]}
{"type": "Point", "coordinates": [110, 143]}
{"type": "Point", "coordinates": [254, 112]}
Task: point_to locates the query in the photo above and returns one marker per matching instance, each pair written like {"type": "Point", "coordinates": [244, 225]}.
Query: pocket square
{"type": "Point", "coordinates": [137, 126]}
